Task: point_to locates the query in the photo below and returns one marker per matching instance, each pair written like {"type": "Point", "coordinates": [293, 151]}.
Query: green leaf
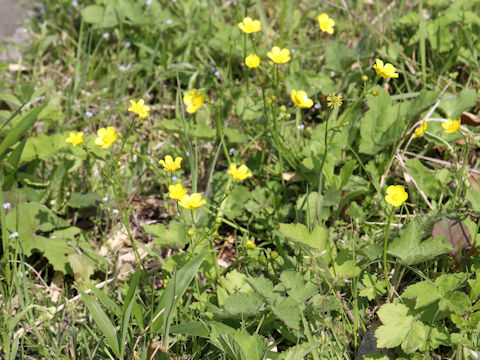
{"type": "Point", "coordinates": [296, 287]}
{"type": "Point", "coordinates": [424, 291]}
{"type": "Point", "coordinates": [128, 307]}
{"type": "Point", "coordinates": [81, 269]}
{"type": "Point", "coordinates": [84, 200]}
{"type": "Point", "coordinates": [409, 250]}
{"type": "Point", "coordinates": [298, 352]}
{"type": "Point", "coordinates": [243, 305]}
{"type": "Point", "coordinates": [262, 287]}
{"type": "Point", "coordinates": [103, 322]}
{"type": "Point", "coordinates": [93, 14]}
{"type": "Point", "coordinates": [372, 287]}
{"type": "Point", "coordinates": [175, 237]}
{"type": "Point", "coordinates": [317, 239]}
{"type": "Point", "coordinates": [287, 310]}
{"type": "Point", "coordinates": [382, 123]}
{"type": "Point", "coordinates": [14, 134]}
{"type": "Point", "coordinates": [183, 278]}
{"type": "Point", "coordinates": [455, 105]}
{"type": "Point", "coordinates": [399, 328]}
{"type": "Point", "coordinates": [197, 328]}
{"type": "Point", "coordinates": [344, 265]}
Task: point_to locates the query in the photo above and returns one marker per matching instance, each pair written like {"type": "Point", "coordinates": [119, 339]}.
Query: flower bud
{"type": "Point", "coordinates": [364, 78]}
{"type": "Point", "coordinates": [191, 232]}
{"type": "Point", "coordinates": [374, 92]}
{"type": "Point", "coordinates": [274, 255]}
{"type": "Point", "coordinates": [250, 244]}
{"type": "Point", "coordinates": [218, 220]}
{"type": "Point", "coordinates": [262, 259]}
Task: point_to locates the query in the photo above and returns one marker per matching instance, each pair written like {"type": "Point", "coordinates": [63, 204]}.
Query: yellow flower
{"type": "Point", "coordinates": [170, 165]}
{"type": "Point", "coordinates": [279, 56]}
{"type": "Point", "coordinates": [106, 137]}
{"type": "Point", "coordinates": [326, 23]}
{"type": "Point", "coordinates": [451, 126]}
{"type": "Point", "coordinates": [75, 138]}
{"type": "Point", "coordinates": [239, 174]}
{"type": "Point", "coordinates": [192, 202]}
{"type": "Point", "coordinates": [193, 100]}
{"type": "Point", "coordinates": [386, 71]}
{"type": "Point", "coordinates": [396, 195]}
{"type": "Point", "coordinates": [252, 61]}
{"type": "Point", "coordinates": [248, 25]}
{"type": "Point", "coordinates": [420, 130]}
{"type": "Point", "coordinates": [334, 101]}
{"type": "Point", "coordinates": [300, 98]}
{"type": "Point", "coordinates": [139, 108]}
{"type": "Point", "coordinates": [176, 191]}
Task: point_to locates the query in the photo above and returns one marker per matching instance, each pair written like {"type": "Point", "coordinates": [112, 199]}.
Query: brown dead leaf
{"type": "Point", "coordinates": [455, 232]}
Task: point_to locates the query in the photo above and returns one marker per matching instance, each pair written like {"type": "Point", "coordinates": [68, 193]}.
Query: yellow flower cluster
{"type": "Point", "coordinates": [107, 136]}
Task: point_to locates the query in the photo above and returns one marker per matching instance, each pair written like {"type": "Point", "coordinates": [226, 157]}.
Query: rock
{"type": "Point", "coordinates": [369, 345]}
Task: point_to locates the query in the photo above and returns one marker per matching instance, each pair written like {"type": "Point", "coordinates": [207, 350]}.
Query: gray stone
{"type": "Point", "coordinates": [369, 345]}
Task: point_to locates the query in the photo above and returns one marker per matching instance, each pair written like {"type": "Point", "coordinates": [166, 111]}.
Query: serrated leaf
{"type": "Point", "coordinates": [409, 250]}
{"type": "Point", "coordinates": [399, 328]}
{"type": "Point", "coordinates": [174, 237]}
{"type": "Point", "coordinates": [424, 291]}
{"type": "Point", "coordinates": [243, 305]}
{"type": "Point", "coordinates": [296, 287]}
{"type": "Point", "coordinates": [317, 239]}
{"type": "Point", "coordinates": [262, 287]}
{"type": "Point", "coordinates": [372, 287]}
{"type": "Point", "coordinates": [81, 269]}
{"type": "Point", "coordinates": [287, 310]}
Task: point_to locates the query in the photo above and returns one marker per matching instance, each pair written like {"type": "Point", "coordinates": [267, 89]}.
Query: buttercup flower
{"type": "Point", "coordinates": [139, 108]}
{"type": "Point", "coordinates": [300, 98]}
{"type": "Point", "coordinates": [420, 130]}
{"type": "Point", "coordinates": [106, 137]}
{"type": "Point", "coordinates": [279, 56]}
{"type": "Point", "coordinates": [252, 61]}
{"type": "Point", "coordinates": [334, 101]}
{"type": "Point", "coordinates": [239, 174]}
{"type": "Point", "coordinates": [451, 126]}
{"type": "Point", "coordinates": [248, 25]}
{"type": "Point", "coordinates": [176, 191]}
{"type": "Point", "coordinates": [193, 100]}
{"type": "Point", "coordinates": [192, 202]}
{"type": "Point", "coordinates": [386, 71]}
{"type": "Point", "coordinates": [170, 165]}
{"type": "Point", "coordinates": [326, 23]}
{"type": "Point", "coordinates": [75, 138]}
{"type": "Point", "coordinates": [396, 195]}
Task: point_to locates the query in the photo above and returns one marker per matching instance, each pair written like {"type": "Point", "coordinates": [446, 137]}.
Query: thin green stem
{"type": "Point", "coordinates": [385, 244]}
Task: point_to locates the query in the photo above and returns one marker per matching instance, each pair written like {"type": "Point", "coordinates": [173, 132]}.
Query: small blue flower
{"type": "Point", "coordinates": [169, 21]}
{"type": "Point", "coordinates": [13, 235]}
{"type": "Point", "coordinates": [127, 44]}
{"type": "Point", "coordinates": [231, 151]}
{"type": "Point", "coordinates": [75, 3]}
{"type": "Point", "coordinates": [217, 73]}
{"type": "Point", "coordinates": [301, 127]}
{"type": "Point", "coordinates": [148, 3]}
{"type": "Point", "coordinates": [317, 106]}
{"type": "Point", "coordinates": [174, 178]}
{"type": "Point", "coordinates": [106, 35]}
{"type": "Point", "coordinates": [122, 68]}
{"type": "Point", "coordinates": [88, 114]}
{"type": "Point", "coordinates": [7, 205]}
